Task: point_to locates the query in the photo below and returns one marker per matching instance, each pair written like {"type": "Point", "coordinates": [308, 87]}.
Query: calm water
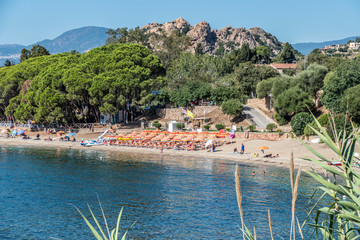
{"type": "Point", "coordinates": [169, 197]}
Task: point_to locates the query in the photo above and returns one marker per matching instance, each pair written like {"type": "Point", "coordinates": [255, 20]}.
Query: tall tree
{"type": "Point", "coordinates": [312, 79]}
{"type": "Point", "coordinates": [245, 53]}
{"type": "Point", "coordinates": [8, 63]}
{"type": "Point", "coordinates": [35, 51]}
{"type": "Point", "coordinates": [291, 101]}
{"type": "Point", "coordinates": [125, 35]}
{"type": "Point", "coordinates": [287, 54]}
{"type": "Point", "coordinates": [170, 47]}
{"type": "Point", "coordinates": [199, 49]}
{"type": "Point", "coordinates": [248, 76]}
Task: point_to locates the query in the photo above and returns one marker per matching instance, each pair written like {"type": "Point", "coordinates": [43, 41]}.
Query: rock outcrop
{"type": "Point", "coordinates": [211, 40]}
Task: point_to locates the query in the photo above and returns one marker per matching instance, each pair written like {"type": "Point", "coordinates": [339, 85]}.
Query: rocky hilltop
{"type": "Point", "coordinates": [212, 39]}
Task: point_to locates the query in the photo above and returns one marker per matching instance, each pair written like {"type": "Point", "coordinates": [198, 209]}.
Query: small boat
{"type": "Point", "coordinates": [91, 143]}
{"type": "Point", "coordinates": [334, 163]}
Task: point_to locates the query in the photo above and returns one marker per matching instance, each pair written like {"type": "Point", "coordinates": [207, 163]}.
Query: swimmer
{"type": "Point", "coordinates": [264, 172]}
{"type": "Point", "coordinates": [253, 173]}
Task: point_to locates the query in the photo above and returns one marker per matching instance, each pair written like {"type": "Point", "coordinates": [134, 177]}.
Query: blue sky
{"type": "Point", "coordinates": [28, 21]}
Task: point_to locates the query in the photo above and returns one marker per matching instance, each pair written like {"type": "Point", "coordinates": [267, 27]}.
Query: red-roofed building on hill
{"type": "Point", "coordinates": [282, 66]}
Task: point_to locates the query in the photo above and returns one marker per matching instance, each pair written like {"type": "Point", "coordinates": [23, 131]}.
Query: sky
{"type": "Point", "coordinates": [28, 21]}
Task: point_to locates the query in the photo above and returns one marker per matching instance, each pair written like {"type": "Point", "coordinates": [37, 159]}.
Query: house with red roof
{"type": "Point", "coordinates": [282, 66]}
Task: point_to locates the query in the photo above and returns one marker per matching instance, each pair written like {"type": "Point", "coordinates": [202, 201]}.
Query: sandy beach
{"type": "Point", "coordinates": [225, 152]}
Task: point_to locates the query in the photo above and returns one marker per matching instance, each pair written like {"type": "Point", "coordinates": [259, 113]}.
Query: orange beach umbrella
{"type": "Point", "coordinates": [262, 148]}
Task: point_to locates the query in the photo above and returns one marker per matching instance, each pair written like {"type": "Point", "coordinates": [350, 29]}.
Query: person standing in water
{"type": "Point", "coordinates": [253, 173]}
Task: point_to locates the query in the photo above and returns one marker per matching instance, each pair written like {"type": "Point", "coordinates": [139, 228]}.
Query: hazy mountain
{"type": "Point", "coordinates": [80, 39]}
{"type": "Point", "coordinates": [306, 48]}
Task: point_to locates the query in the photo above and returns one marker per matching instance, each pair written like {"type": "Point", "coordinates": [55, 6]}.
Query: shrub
{"type": "Point", "coordinates": [219, 126]}
{"type": "Point", "coordinates": [232, 107]}
{"type": "Point", "coordinates": [280, 119]}
{"type": "Point", "coordinates": [323, 120]}
{"type": "Point", "coordinates": [342, 125]}
{"type": "Point", "coordinates": [207, 120]}
{"type": "Point", "coordinates": [156, 124]}
{"type": "Point", "coordinates": [299, 122]}
{"type": "Point", "coordinates": [207, 127]}
{"type": "Point", "coordinates": [227, 129]}
{"type": "Point", "coordinates": [186, 119]}
{"type": "Point", "coordinates": [278, 130]}
{"type": "Point", "coordinates": [241, 129]}
{"type": "Point", "coordinates": [271, 126]}
{"type": "Point", "coordinates": [180, 125]}
{"type": "Point", "coordinates": [251, 128]}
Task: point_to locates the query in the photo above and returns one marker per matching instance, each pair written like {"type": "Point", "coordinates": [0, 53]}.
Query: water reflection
{"type": "Point", "coordinates": [171, 197]}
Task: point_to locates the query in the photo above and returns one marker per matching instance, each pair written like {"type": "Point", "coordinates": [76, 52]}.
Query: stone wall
{"type": "Point", "coordinates": [262, 136]}
{"type": "Point", "coordinates": [176, 113]}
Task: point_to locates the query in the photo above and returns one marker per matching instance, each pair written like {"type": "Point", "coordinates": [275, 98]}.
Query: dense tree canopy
{"type": "Point", "coordinates": [312, 79]}
{"type": "Point", "coordinates": [345, 76]}
{"type": "Point", "coordinates": [77, 87]}
{"type": "Point", "coordinates": [293, 100]}
{"type": "Point", "coordinates": [125, 35]}
{"type": "Point", "coordinates": [248, 76]}
{"type": "Point", "coordinates": [232, 107]}
{"type": "Point", "coordinates": [351, 102]}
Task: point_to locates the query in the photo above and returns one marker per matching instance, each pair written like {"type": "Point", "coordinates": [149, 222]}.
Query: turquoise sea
{"type": "Point", "coordinates": [169, 197]}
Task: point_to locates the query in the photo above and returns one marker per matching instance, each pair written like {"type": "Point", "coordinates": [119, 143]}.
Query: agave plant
{"type": "Point", "coordinates": [110, 235]}
{"type": "Point", "coordinates": [342, 216]}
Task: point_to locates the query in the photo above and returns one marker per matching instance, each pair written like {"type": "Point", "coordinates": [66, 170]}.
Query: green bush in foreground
{"type": "Point", "coordinates": [251, 128]}
{"type": "Point", "coordinates": [207, 127]}
{"type": "Point", "coordinates": [219, 126]}
{"type": "Point", "coordinates": [180, 126]}
{"type": "Point", "coordinates": [299, 122]}
{"type": "Point", "coordinates": [156, 124]}
{"type": "Point", "coordinates": [232, 107]}
{"type": "Point", "coordinates": [271, 126]}
{"type": "Point", "coordinates": [280, 119]}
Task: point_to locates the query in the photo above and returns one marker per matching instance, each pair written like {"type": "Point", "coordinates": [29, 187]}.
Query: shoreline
{"type": "Point", "coordinates": [222, 153]}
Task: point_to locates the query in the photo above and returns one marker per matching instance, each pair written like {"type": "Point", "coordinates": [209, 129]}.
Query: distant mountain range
{"type": "Point", "coordinates": [306, 48]}
{"type": "Point", "coordinates": [80, 39]}
{"type": "Point", "coordinates": [211, 40]}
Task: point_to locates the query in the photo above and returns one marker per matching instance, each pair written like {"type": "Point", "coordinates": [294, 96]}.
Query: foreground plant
{"type": "Point", "coordinates": [113, 235]}
{"type": "Point", "coordinates": [246, 232]}
{"type": "Point", "coordinates": [341, 184]}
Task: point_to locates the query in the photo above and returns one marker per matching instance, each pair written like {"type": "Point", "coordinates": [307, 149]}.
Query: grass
{"type": "Point", "coordinates": [98, 231]}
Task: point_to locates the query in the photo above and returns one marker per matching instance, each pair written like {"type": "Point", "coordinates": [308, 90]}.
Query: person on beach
{"type": "Point", "coordinates": [161, 150]}
{"type": "Point", "coordinates": [235, 150]}
{"type": "Point", "coordinates": [213, 147]}
{"type": "Point", "coordinates": [242, 149]}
